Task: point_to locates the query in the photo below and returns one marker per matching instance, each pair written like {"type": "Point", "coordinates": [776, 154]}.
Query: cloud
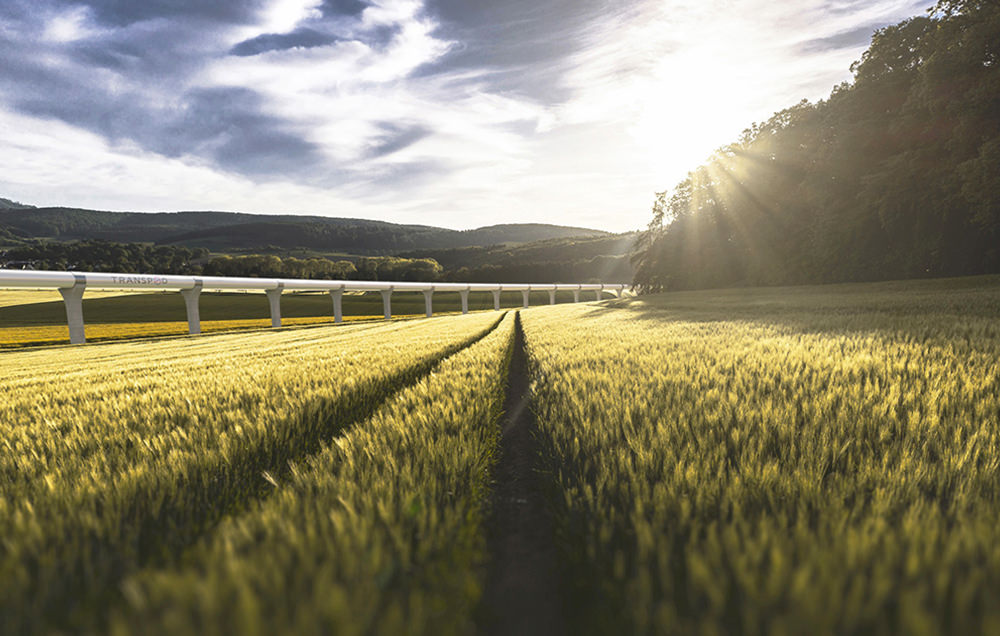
{"type": "Point", "coordinates": [852, 38]}
{"type": "Point", "coordinates": [299, 38]}
{"type": "Point", "coordinates": [123, 13]}
{"type": "Point", "coordinates": [458, 112]}
{"type": "Point", "coordinates": [520, 44]}
{"type": "Point", "coordinates": [396, 137]}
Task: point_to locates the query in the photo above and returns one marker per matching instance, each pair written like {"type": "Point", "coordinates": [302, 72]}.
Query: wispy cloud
{"type": "Point", "coordinates": [437, 111]}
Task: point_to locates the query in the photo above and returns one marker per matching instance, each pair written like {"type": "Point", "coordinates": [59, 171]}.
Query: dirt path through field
{"type": "Point", "coordinates": [521, 595]}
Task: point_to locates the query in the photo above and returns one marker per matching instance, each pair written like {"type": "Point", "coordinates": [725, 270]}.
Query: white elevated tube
{"type": "Point", "coordinates": [191, 297]}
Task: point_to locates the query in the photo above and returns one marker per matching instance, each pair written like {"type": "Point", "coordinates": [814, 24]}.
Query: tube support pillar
{"type": "Point", "coordinates": [387, 302]}
{"type": "Point", "coordinates": [191, 297]}
{"type": "Point", "coordinates": [552, 296]}
{"type": "Point", "coordinates": [464, 293]}
{"type": "Point", "coordinates": [338, 304]}
{"type": "Point", "coordinates": [576, 295]}
{"type": "Point", "coordinates": [73, 299]}
{"type": "Point", "coordinates": [524, 296]}
{"type": "Point", "coordinates": [597, 294]}
{"type": "Point", "coordinates": [274, 300]}
{"type": "Point", "coordinates": [496, 300]}
{"type": "Point", "coordinates": [429, 302]}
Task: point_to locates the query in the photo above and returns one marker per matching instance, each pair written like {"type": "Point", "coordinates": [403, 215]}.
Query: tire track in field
{"type": "Point", "coordinates": [364, 409]}
{"type": "Point", "coordinates": [522, 591]}
{"type": "Point", "coordinates": [163, 540]}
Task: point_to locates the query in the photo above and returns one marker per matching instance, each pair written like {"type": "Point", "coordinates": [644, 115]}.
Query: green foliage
{"type": "Point", "coordinates": [581, 259]}
{"type": "Point", "coordinates": [894, 176]}
{"type": "Point", "coordinates": [105, 256]}
{"type": "Point", "coordinates": [119, 462]}
{"type": "Point", "coordinates": [818, 460]}
{"type": "Point", "coordinates": [396, 268]}
{"type": "Point", "coordinates": [257, 266]}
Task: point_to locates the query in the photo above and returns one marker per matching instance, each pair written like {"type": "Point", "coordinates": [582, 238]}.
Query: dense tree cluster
{"type": "Point", "coordinates": [106, 256]}
{"type": "Point", "coordinates": [396, 268]}
{"type": "Point", "coordinates": [368, 268]}
{"type": "Point", "coordinates": [527, 264]}
{"type": "Point", "coordinates": [896, 175]}
{"type": "Point", "coordinates": [270, 266]}
{"type": "Point", "coordinates": [140, 258]}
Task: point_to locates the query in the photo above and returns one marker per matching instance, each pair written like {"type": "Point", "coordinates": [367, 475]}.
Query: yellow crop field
{"type": "Point", "coordinates": [790, 461]}
{"type": "Point", "coordinates": [38, 317]}
{"type": "Point", "coordinates": [116, 455]}
{"type": "Point", "coordinates": [15, 297]}
{"type": "Point", "coordinates": [11, 337]}
{"type": "Point", "coordinates": [787, 460]}
{"type": "Point", "coordinates": [379, 532]}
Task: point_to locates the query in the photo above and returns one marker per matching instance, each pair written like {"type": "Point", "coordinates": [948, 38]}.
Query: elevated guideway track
{"type": "Point", "coordinates": [71, 286]}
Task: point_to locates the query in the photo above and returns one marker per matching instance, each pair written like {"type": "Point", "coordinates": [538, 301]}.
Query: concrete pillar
{"type": "Point", "coordinates": [618, 292]}
{"type": "Point", "coordinates": [387, 302]}
{"type": "Point", "coordinates": [338, 304]}
{"type": "Point", "coordinates": [464, 293]}
{"type": "Point", "coordinates": [191, 297]}
{"type": "Point", "coordinates": [576, 295]}
{"type": "Point", "coordinates": [496, 300]}
{"type": "Point", "coordinates": [552, 296]}
{"type": "Point", "coordinates": [524, 296]}
{"type": "Point", "coordinates": [428, 302]}
{"type": "Point", "coordinates": [597, 294]}
{"type": "Point", "coordinates": [73, 299]}
{"type": "Point", "coordinates": [274, 300]}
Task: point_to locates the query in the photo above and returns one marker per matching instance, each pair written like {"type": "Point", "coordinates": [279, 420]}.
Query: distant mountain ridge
{"type": "Point", "coordinates": [234, 231]}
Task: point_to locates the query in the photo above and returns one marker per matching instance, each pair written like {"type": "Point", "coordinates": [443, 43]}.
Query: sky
{"type": "Point", "coordinates": [454, 113]}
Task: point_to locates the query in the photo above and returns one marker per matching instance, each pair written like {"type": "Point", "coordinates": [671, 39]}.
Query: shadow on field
{"type": "Point", "coordinates": [522, 590]}
{"type": "Point", "coordinates": [898, 310]}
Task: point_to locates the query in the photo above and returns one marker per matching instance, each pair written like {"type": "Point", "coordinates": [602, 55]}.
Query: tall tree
{"type": "Point", "coordinates": [895, 175]}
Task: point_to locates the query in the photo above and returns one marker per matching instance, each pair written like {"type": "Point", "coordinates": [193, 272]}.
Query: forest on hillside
{"type": "Point", "coordinates": [895, 175]}
{"type": "Point", "coordinates": [558, 260]}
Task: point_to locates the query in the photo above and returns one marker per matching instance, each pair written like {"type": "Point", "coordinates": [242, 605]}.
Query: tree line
{"type": "Point", "coordinates": [139, 258]}
{"type": "Point", "coordinates": [105, 256]}
{"type": "Point", "coordinates": [365, 268]}
{"type": "Point", "coordinates": [895, 175]}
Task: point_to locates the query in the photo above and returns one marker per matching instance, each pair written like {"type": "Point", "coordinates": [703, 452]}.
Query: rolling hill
{"type": "Point", "coordinates": [7, 204]}
{"type": "Point", "coordinates": [229, 231]}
